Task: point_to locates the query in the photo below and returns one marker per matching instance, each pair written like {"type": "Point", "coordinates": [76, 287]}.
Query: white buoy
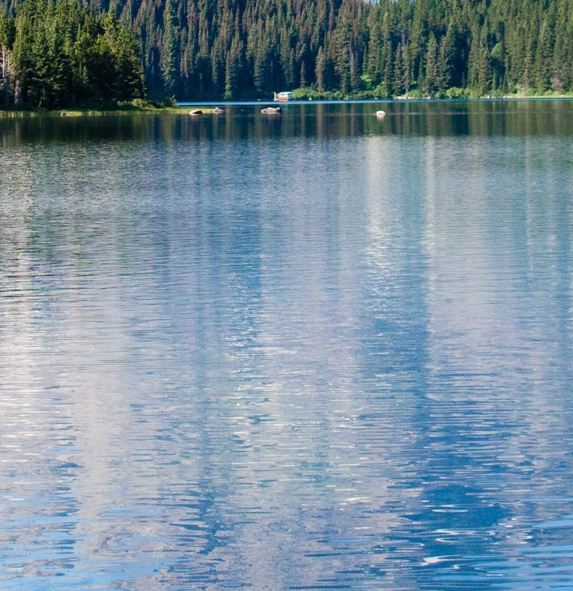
{"type": "Point", "coordinates": [380, 114]}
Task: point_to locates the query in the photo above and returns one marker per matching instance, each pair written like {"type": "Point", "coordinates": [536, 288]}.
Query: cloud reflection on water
{"type": "Point", "coordinates": [230, 363]}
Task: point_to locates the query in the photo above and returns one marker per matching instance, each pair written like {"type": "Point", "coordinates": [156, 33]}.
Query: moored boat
{"type": "Point", "coordinates": [283, 96]}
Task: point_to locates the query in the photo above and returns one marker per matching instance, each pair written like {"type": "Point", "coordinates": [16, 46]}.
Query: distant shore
{"type": "Point", "coordinates": [178, 110]}
{"type": "Point", "coordinates": [208, 107]}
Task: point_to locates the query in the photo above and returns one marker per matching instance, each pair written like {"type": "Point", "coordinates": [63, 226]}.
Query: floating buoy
{"type": "Point", "coordinates": [380, 114]}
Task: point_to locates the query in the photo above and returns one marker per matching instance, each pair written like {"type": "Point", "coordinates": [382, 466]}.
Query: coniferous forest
{"type": "Point", "coordinates": [61, 53]}
{"type": "Point", "coordinates": [55, 54]}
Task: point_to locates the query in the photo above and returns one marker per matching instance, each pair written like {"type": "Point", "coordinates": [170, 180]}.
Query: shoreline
{"type": "Point", "coordinates": [400, 100]}
{"type": "Point", "coordinates": [74, 113]}
{"type": "Point", "coordinates": [208, 107]}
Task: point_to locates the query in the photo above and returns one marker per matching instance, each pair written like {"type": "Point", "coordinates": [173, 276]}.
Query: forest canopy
{"type": "Point", "coordinates": [234, 49]}
{"type": "Point", "coordinates": [58, 54]}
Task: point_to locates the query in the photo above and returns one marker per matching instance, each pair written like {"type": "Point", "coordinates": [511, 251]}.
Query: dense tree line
{"type": "Point", "coordinates": [491, 46]}
{"type": "Point", "coordinates": [58, 54]}
{"type": "Point", "coordinates": [214, 49]}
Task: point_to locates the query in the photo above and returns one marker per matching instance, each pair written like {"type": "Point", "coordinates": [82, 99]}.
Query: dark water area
{"type": "Point", "coordinates": [323, 120]}
{"type": "Point", "coordinates": [315, 351]}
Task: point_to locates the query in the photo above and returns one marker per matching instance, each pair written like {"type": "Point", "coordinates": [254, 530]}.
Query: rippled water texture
{"type": "Point", "coordinates": [319, 351]}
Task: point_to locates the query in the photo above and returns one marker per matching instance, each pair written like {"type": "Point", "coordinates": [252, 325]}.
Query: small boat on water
{"type": "Point", "coordinates": [283, 96]}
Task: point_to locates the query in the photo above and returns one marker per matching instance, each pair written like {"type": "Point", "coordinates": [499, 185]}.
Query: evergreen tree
{"type": "Point", "coordinates": [431, 77]}
{"type": "Point", "coordinates": [63, 55]}
{"type": "Point", "coordinates": [444, 62]}
{"type": "Point", "coordinates": [169, 70]}
{"type": "Point", "coordinates": [7, 34]}
{"type": "Point", "coordinates": [320, 70]}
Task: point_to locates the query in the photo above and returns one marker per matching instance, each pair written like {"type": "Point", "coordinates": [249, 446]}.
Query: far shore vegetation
{"type": "Point", "coordinates": [146, 54]}
{"type": "Point", "coordinates": [142, 107]}
{"type": "Point", "coordinates": [59, 54]}
{"type": "Point", "coordinates": [137, 106]}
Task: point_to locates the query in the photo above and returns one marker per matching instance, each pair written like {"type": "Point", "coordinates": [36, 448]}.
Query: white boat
{"type": "Point", "coordinates": [283, 96]}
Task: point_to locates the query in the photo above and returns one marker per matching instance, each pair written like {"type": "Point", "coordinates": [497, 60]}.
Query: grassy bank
{"type": "Point", "coordinates": [94, 113]}
{"type": "Point", "coordinates": [136, 107]}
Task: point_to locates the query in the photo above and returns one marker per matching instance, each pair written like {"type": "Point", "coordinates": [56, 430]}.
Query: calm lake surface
{"type": "Point", "coordinates": [314, 351]}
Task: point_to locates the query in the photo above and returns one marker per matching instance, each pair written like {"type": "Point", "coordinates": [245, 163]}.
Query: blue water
{"type": "Point", "coordinates": [319, 352]}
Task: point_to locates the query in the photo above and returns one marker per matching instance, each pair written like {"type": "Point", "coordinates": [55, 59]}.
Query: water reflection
{"type": "Point", "coordinates": [323, 120]}
{"type": "Point", "coordinates": [289, 363]}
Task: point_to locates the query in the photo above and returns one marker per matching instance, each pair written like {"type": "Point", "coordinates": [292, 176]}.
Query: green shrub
{"type": "Point", "coordinates": [169, 102]}
{"type": "Point", "coordinates": [458, 93]}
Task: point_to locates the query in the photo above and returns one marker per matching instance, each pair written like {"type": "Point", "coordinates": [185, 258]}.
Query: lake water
{"type": "Point", "coordinates": [314, 351]}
